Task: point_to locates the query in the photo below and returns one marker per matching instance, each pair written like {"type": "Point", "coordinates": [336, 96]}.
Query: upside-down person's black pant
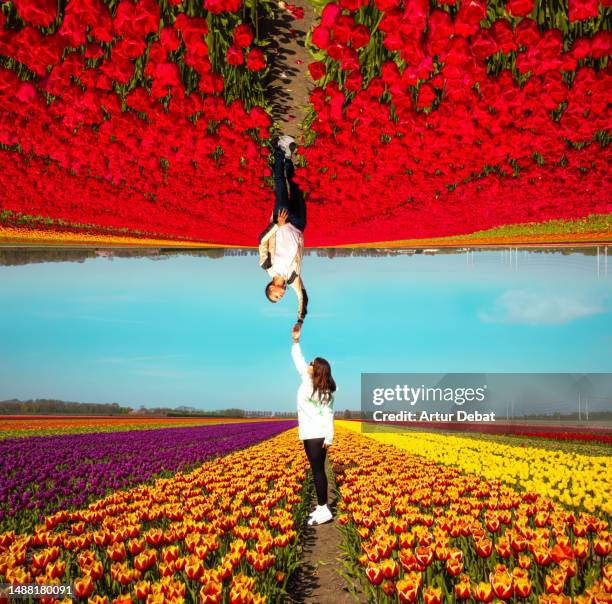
{"type": "Point", "coordinates": [316, 456]}
{"type": "Point", "coordinates": [292, 198]}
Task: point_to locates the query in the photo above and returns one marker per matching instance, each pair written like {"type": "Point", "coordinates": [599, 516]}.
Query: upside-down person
{"type": "Point", "coordinates": [281, 245]}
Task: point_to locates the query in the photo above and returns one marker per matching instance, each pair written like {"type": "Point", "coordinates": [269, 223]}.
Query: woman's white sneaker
{"type": "Point", "coordinates": [321, 515]}
{"type": "Point", "coordinates": [287, 144]}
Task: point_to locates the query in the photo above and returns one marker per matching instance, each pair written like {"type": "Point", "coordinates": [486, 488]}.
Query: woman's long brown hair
{"type": "Point", "coordinates": [323, 385]}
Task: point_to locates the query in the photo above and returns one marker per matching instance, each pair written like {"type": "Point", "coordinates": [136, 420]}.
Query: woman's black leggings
{"type": "Point", "coordinates": [316, 456]}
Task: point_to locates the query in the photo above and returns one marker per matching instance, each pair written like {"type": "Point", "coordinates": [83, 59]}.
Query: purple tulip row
{"type": "Point", "coordinates": [46, 473]}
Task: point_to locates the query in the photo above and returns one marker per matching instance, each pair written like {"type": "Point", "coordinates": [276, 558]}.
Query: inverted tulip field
{"type": "Point", "coordinates": [148, 516]}
{"type": "Point", "coordinates": [152, 120]}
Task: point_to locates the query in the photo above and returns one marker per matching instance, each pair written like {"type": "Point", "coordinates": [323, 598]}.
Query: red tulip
{"type": "Point", "coordinates": [256, 60]}
{"type": "Point", "coordinates": [234, 55]}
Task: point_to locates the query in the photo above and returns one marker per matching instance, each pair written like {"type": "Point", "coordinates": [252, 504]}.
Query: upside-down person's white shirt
{"type": "Point", "coordinates": [315, 419]}
{"type": "Point", "coordinates": [288, 238]}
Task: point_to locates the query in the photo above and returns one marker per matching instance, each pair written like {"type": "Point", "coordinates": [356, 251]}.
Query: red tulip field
{"type": "Point", "coordinates": [151, 120]}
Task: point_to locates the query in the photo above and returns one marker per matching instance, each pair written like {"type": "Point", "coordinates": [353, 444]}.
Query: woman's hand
{"type": "Point", "coordinates": [282, 217]}
{"type": "Point", "coordinates": [296, 331]}
{"type": "Point", "coordinates": [326, 446]}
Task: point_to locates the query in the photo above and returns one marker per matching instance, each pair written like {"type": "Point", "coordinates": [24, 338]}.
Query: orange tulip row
{"type": "Point", "coordinates": [34, 235]}
{"type": "Point", "coordinates": [227, 531]}
{"type": "Point", "coordinates": [423, 532]}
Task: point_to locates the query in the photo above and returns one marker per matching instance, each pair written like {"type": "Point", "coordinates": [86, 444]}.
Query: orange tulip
{"type": "Point", "coordinates": [560, 552]}
{"type": "Point", "coordinates": [581, 547]}
{"type": "Point", "coordinates": [406, 540]}
{"type": "Point", "coordinates": [518, 543]}
{"type": "Point", "coordinates": [408, 587]}
{"type": "Point", "coordinates": [116, 552]}
{"type": "Point", "coordinates": [492, 523]}
{"type": "Point", "coordinates": [432, 595]}
{"type": "Point", "coordinates": [569, 567]}
{"type": "Point", "coordinates": [388, 587]}
{"type": "Point", "coordinates": [503, 547]}
{"type": "Point", "coordinates": [390, 568]}
{"type": "Point", "coordinates": [194, 569]}
{"type": "Point", "coordinates": [554, 582]}
{"type": "Point", "coordinates": [483, 592]}
{"type": "Point", "coordinates": [101, 539]}
{"type": "Point", "coordinates": [263, 562]}
{"type": "Point", "coordinates": [83, 586]}
{"type": "Point", "coordinates": [555, 599]}
{"type": "Point", "coordinates": [145, 559]}
{"type": "Point", "coordinates": [166, 569]}
{"type": "Point", "coordinates": [211, 592]}
{"type": "Point", "coordinates": [374, 574]}
{"type": "Point", "coordinates": [542, 556]}
{"type": "Point", "coordinates": [424, 555]}
{"type": "Point", "coordinates": [95, 570]}
{"type": "Point", "coordinates": [521, 583]}
{"type": "Point", "coordinates": [56, 570]}
{"type": "Point", "coordinates": [136, 546]}
{"type": "Point", "coordinates": [463, 588]}
{"type": "Point", "coordinates": [170, 553]}
{"type": "Point", "coordinates": [484, 548]}
{"type": "Point", "coordinates": [142, 589]}
{"type": "Point", "coordinates": [602, 547]}
{"type": "Point", "coordinates": [454, 567]}
{"type": "Point", "coordinates": [240, 595]}
{"type": "Point", "coordinates": [502, 585]}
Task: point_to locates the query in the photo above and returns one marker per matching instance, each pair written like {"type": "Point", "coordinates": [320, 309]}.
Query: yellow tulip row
{"type": "Point", "coordinates": [27, 235]}
{"type": "Point", "coordinates": [581, 481]}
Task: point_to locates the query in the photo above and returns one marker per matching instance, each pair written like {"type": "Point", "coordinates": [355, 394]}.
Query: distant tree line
{"type": "Point", "coordinates": [18, 256]}
{"type": "Point", "coordinates": [58, 407]}
{"type": "Point", "coordinates": [44, 406]}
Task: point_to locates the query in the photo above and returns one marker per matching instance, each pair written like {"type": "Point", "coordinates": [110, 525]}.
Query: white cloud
{"type": "Point", "coordinates": [541, 308]}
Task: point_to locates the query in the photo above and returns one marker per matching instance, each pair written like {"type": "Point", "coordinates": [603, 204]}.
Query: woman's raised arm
{"type": "Point", "coordinates": [296, 352]}
{"type": "Point", "coordinates": [298, 358]}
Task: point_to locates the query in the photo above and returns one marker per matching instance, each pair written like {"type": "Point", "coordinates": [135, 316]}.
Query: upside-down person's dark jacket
{"type": "Point", "coordinates": [267, 250]}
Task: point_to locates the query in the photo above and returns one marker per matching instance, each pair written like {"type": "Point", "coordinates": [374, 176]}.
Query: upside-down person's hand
{"type": "Point", "coordinates": [296, 332]}
{"type": "Point", "coordinates": [281, 219]}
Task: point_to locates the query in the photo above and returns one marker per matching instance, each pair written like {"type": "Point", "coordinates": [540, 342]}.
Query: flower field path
{"type": "Point", "coordinates": [289, 83]}
{"type": "Point", "coordinates": [319, 578]}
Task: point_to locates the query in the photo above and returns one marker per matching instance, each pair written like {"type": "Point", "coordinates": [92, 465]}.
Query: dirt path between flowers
{"type": "Point", "coordinates": [288, 84]}
{"type": "Point", "coordinates": [318, 579]}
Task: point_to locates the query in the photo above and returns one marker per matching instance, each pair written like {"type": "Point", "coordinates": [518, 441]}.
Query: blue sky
{"type": "Point", "coordinates": [199, 331]}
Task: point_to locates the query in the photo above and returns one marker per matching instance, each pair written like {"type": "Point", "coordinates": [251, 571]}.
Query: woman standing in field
{"type": "Point", "coordinates": [315, 400]}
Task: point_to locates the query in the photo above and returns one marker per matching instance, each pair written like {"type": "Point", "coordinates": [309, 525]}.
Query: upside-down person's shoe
{"type": "Point", "coordinates": [321, 515]}
{"type": "Point", "coordinates": [287, 144]}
